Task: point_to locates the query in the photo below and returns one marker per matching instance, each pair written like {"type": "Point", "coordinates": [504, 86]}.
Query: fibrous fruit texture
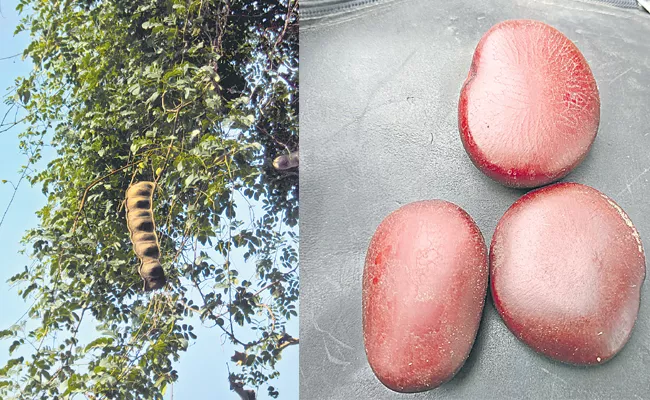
{"type": "Point", "coordinates": [424, 286]}
{"type": "Point", "coordinates": [566, 269]}
{"type": "Point", "coordinates": [139, 219]}
{"type": "Point", "coordinates": [529, 109]}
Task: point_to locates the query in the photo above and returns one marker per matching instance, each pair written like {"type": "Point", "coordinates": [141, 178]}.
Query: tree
{"type": "Point", "coordinates": [199, 97]}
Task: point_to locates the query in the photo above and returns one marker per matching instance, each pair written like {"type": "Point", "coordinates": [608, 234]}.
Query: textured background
{"type": "Point", "coordinates": [380, 85]}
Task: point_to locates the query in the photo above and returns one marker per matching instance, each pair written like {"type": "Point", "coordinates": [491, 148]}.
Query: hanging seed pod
{"type": "Point", "coordinates": [142, 230]}
{"type": "Point", "coordinates": [287, 161]}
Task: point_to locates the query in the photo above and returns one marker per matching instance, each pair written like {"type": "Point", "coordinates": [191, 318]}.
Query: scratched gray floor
{"type": "Point", "coordinates": [379, 129]}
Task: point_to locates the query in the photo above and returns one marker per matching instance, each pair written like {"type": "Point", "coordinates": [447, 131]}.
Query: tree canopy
{"type": "Point", "coordinates": [198, 96]}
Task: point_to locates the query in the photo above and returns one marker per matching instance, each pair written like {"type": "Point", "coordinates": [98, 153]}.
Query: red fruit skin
{"type": "Point", "coordinates": [566, 270]}
{"type": "Point", "coordinates": [529, 109]}
{"type": "Point", "coordinates": [424, 287]}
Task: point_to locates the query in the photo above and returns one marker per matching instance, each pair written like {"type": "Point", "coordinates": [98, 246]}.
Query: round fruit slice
{"type": "Point", "coordinates": [424, 286]}
{"type": "Point", "coordinates": [566, 269]}
{"type": "Point", "coordinates": [529, 109]}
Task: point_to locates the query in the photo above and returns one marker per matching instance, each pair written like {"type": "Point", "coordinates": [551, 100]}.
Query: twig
{"type": "Point", "coordinates": [286, 25]}
{"type": "Point", "coordinates": [271, 314]}
{"type": "Point", "coordinates": [92, 184]}
{"type": "Point", "coordinates": [287, 341]}
{"type": "Point", "coordinates": [22, 176]}
{"type": "Point", "coordinates": [13, 196]}
{"type": "Point", "coordinates": [7, 113]}
{"type": "Point", "coordinates": [169, 149]}
{"type": "Point", "coordinates": [238, 387]}
{"type": "Point", "coordinates": [11, 125]}
{"type": "Point", "coordinates": [264, 131]}
{"type": "Point", "coordinates": [72, 341]}
{"type": "Point", "coordinates": [9, 57]}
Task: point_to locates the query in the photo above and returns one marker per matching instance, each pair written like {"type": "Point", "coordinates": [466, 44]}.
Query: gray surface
{"type": "Point", "coordinates": [379, 129]}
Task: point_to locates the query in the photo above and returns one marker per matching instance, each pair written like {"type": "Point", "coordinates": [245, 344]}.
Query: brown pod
{"type": "Point", "coordinates": [153, 274]}
{"type": "Point", "coordinates": [424, 285]}
{"type": "Point", "coordinates": [566, 269]}
{"type": "Point", "coordinates": [287, 161]}
{"type": "Point", "coordinates": [145, 245]}
{"type": "Point", "coordinates": [142, 230]}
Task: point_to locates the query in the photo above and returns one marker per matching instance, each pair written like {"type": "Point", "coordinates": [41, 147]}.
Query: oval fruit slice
{"type": "Point", "coordinates": [566, 269]}
{"type": "Point", "coordinates": [529, 109]}
{"type": "Point", "coordinates": [424, 286]}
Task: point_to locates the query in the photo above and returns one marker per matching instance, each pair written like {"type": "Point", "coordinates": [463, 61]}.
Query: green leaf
{"type": "Point", "coordinates": [14, 346]}
{"type": "Point", "coordinates": [154, 96]}
{"type": "Point", "coordinates": [135, 89]}
{"type": "Point", "coordinates": [99, 342]}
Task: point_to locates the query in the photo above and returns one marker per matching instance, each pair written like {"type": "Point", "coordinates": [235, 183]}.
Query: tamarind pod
{"type": "Point", "coordinates": [145, 245]}
{"type": "Point", "coordinates": [141, 224]}
{"type": "Point", "coordinates": [141, 189]}
{"type": "Point", "coordinates": [142, 232]}
{"type": "Point", "coordinates": [141, 214]}
{"type": "Point", "coordinates": [146, 249]}
{"type": "Point", "coordinates": [138, 203]}
{"type": "Point", "coordinates": [153, 274]}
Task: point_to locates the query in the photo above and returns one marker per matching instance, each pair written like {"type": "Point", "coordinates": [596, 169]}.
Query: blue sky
{"type": "Point", "coordinates": [202, 369]}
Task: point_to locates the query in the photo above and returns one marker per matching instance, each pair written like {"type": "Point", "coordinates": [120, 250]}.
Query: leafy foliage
{"type": "Point", "coordinates": [198, 96]}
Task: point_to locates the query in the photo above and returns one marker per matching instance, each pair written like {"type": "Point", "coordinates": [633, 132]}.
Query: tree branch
{"type": "Point", "coordinates": [238, 387]}
{"type": "Point", "coordinates": [10, 57]}
{"type": "Point", "coordinates": [92, 184]}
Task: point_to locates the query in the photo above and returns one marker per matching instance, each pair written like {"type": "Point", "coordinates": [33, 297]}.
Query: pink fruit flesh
{"type": "Point", "coordinates": [424, 286]}
{"type": "Point", "coordinates": [529, 109]}
{"type": "Point", "coordinates": [566, 269]}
